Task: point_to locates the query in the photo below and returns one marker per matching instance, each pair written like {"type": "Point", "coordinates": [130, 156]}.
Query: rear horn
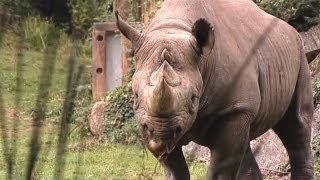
{"type": "Point", "coordinates": [127, 30]}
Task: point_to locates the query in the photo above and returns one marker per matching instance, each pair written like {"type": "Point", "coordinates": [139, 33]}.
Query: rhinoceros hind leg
{"type": "Point", "coordinates": [294, 129]}
{"type": "Point", "coordinates": [249, 169]}
{"type": "Point", "coordinates": [175, 166]}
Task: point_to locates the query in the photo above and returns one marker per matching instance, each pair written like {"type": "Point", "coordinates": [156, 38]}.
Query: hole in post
{"type": "Point", "coordinates": [100, 37]}
{"type": "Point", "coordinates": [99, 70]}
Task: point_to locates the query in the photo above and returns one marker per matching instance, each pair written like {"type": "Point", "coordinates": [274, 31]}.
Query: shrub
{"type": "Point", "coordinates": [121, 126]}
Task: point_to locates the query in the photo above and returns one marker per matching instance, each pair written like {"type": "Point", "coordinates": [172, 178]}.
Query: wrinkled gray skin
{"type": "Point", "coordinates": [221, 73]}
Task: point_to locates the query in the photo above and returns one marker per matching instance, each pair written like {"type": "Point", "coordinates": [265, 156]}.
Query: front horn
{"type": "Point", "coordinates": [128, 31]}
{"type": "Point", "coordinates": [161, 101]}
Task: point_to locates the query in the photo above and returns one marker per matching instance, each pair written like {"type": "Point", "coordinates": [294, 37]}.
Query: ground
{"type": "Point", "coordinates": [87, 157]}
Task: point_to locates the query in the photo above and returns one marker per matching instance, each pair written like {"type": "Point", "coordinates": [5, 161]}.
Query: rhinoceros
{"type": "Point", "coordinates": [220, 73]}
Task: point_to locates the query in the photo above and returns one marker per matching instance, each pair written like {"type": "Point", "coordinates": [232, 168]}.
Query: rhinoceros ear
{"type": "Point", "coordinates": [127, 30]}
{"type": "Point", "coordinates": [204, 34]}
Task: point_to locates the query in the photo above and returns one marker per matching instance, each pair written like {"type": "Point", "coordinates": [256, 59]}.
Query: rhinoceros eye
{"type": "Point", "coordinates": [193, 103]}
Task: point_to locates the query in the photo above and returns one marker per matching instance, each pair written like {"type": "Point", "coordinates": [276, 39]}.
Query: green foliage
{"type": "Point", "coordinates": [119, 105]}
{"type": "Point", "coordinates": [121, 126]}
{"type": "Point", "coordinates": [17, 7]}
{"type": "Point", "coordinates": [84, 13]}
{"type": "Point", "coordinates": [302, 14]}
{"type": "Point", "coordinates": [34, 33]}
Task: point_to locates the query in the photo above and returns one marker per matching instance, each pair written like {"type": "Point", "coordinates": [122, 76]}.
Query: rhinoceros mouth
{"type": "Point", "coordinates": [161, 149]}
{"type": "Point", "coordinates": [161, 134]}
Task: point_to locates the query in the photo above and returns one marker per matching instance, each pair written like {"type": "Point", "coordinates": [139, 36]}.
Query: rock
{"type": "Point", "coordinates": [96, 121]}
{"type": "Point", "coordinates": [197, 152]}
{"type": "Point", "coordinates": [270, 153]}
{"type": "Point", "coordinates": [268, 149]}
{"type": "Point", "coordinates": [316, 122]}
{"type": "Point", "coordinates": [311, 40]}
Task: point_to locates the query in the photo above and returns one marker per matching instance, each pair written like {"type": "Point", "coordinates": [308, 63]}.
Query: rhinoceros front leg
{"type": "Point", "coordinates": [230, 139]}
{"type": "Point", "coordinates": [175, 165]}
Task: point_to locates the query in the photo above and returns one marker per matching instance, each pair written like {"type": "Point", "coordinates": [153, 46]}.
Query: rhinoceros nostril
{"type": "Point", "coordinates": [144, 126]}
{"type": "Point", "coordinates": [150, 132]}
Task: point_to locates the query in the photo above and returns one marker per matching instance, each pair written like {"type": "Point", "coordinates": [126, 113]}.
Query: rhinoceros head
{"type": "Point", "coordinates": [167, 83]}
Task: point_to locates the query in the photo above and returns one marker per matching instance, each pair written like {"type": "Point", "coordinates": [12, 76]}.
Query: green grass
{"type": "Point", "coordinates": [31, 65]}
{"type": "Point", "coordinates": [86, 158]}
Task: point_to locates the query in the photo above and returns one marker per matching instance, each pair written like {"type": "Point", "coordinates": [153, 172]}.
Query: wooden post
{"type": "Point", "coordinates": [99, 54]}
{"type": "Point", "coordinates": [101, 31]}
{"type": "Point", "coordinates": [99, 47]}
